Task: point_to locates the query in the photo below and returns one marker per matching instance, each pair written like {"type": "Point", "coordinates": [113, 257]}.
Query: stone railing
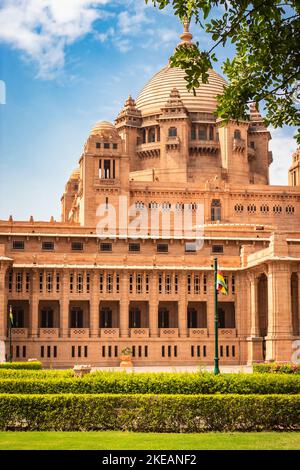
{"type": "Point", "coordinates": [109, 332]}
{"type": "Point", "coordinates": [139, 332]}
{"type": "Point", "coordinates": [19, 333]}
{"type": "Point", "coordinates": [198, 332]}
{"type": "Point", "coordinates": [168, 332]}
{"type": "Point", "coordinates": [79, 332]}
{"type": "Point", "coordinates": [48, 332]}
{"type": "Point", "coordinates": [227, 332]}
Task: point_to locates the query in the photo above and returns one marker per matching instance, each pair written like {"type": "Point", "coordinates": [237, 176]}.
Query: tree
{"type": "Point", "coordinates": [266, 65]}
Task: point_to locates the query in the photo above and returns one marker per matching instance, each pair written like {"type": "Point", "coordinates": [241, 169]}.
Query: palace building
{"type": "Point", "coordinates": [80, 298]}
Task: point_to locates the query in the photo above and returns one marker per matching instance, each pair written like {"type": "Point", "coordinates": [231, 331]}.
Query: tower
{"type": "Point", "coordinates": [294, 171]}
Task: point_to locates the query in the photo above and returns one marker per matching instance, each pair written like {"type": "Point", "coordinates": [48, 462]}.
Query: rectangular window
{"type": "Point", "coordinates": [48, 351]}
{"type": "Point", "coordinates": [106, 169]}
{"type": "Point", "coordinates": [71, 282]}
{"type": "Point", "coordinates": [192, 351]}
{"type": "Point", "coordinates": [163, 351]}
{"type": "Point", "coordinates": [105, 247]}
{"type": "Point", "coordinates": [88, 282]}
{"type": "Point", "coordinates": [140, 351]}
{"type": "Point", "coordinates": [198, 351]}
{"type": "Point", "coordinates": [233, 283]}
{"type": "Point", "coordinates": [204, 351]}
{"type": "Point", "coordinates": [190, 247]}
{"type": "Point", "coordinates": [101, 283]}
{"type": "Point", "coordinates": [115, 146]}
{"type": "Point", "coordinates": [168, 284]}
{"type": "Point", "coordinates": [117, 283]}
{"type": "Point", "coordinates": [189, 283]}
{"type": "Point", "coordinates": [147, 283]}
{"type": "Point", "coordinates": [79, 284]}
{"type": "Point", "coordinates": [106, 146]}
{"type": "Point", "coordinates": [131, 283]}
{"type": "Point", "coordinates": [176, 283]}
{"type": "Point", "coordinates": [233, 351]}
{"type": "Point", "coordinates": [48, 246]}
{"type": "Point", "coordinates": [57, 282]}
{"type": "Point", "coordinates": [196, 284]}
{"type": "Point", "coordinates": [139, 283]}
{"type": "Point", "coordinates": [41, 281]}
{"type": "Point", "coordinates": [109, 283]}
{"type": "Point", "coordinates": [133, 351]}
{"type": "Point", "coordinates": [73, 351]}
{"type": "Point", "coordinates": [100, 169]}
{"type": "Point", "coordinates": [17, 351]}
{"type": "Point", "coordinates": [42, 351]}
{"type": "Point", "coordinates": [24, 351]}
{"type": "Point", "coordinates": [202, 133]}
{"type": "Point", "coordinates": [103, 351]}
{"type": "Point", "coordinates": [116, 351]}
{"type": "Point", "coordinates": [217, 249]}
{"type": "Point", "coordinates": [85, 351]}
{"type": "Point", "coordinates": [10, 281]}
{"type": "Point", "coordinates": [27, 283]}
{"type": "Point", "coordinates": [175, 351]}
{"type": "Point", "coordinates": [146, 351]}
{"type": "Point", "coordinates": [221, 351]}
{"type": "Point", "coordinates": [79, 351]}
{"type": "Point", "coordinates": [77, 246]}
{"type": "Point", "coordinates": [134, 247]}
{"type": "Point", "coordinates": [19, 282]}
{"type": "Point", "coordinates": [109, 351]}
{"type": "Point", "coordinates": [160, 280]}
{"type": "Point", "coordinates": [114, 169]}
{"type": "Point", "coordinates": [49, 283]}
{"type": "Point", "coordinates": [169, 351]}
{"type": "Point", "coordinates": [227, 351]}
{"type": "Point", "coordinates": [54, 351]}
{"type": "Point", "coordinates": [162, 248]}
{"type": "Point", "coordinates": [205, 284]}
{"type": "Point", "coordinates": [18, 245]}
{"type": "Point", "coordinates": [98, 145]}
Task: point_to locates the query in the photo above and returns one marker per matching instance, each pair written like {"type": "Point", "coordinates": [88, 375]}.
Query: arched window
{"type": "Point", "coordinates": [216, 210]}
{"type": "Point", "coordinates": [237, 134]}
{"type": "Point", "coordinates": [172, 132]}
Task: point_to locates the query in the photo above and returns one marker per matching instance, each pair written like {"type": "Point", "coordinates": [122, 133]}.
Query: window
{"type": "Point", "coordinates": [139, 283]}
{"type": "Point", "coordinates": [48, 246]}
{"type": "Point", "coordinates": [252, 144]}
{"type": "Point", "coordinates": [211, 133]}
{"type": "Point", "coordinates": [19, 282]}
{"type": "Point", "coordinates": [202, 133]}
{"type": "Point", "coordinates": [193, 133]}
{"type": "Point", "coordinates": [162, 248]}
{"type": "Point", "coordinates": [172, 132]}
{"type": "Point", "coordinates": [109, 283]}
{"type": "Point", "coordinates": [18, 318]}
{"type": "Point", "coordinates": [277, 209]}
{"type": "Point", "coordinates": [190, 247]}
{"type": "Point", "coordinates": [49, 282]}
{"type": "Point", "coordinates": [27, 282]}
{"type": "Point", "coordinates": [79, 284]}
{"type": "Point", "coordinates": [18, 245]}
{"type": "Point", "coordinates": [290, 209]}
{"type": "Point", "coordinates": [106, 145]}
{"type": "Point", "coordinates": [47, 318]}
{"type": "Point", "coordinates": [251, 208]}
{"type": "Point", "coordinates": [105, 247]}
{"type": "Point", "coordinates": [77, 246]}
{"type": "Point", "coordinates": [134, 247]}
{"type": "Point", "coordinates": [98, 145]}
{"type": "Point", "coordinates": [239, 208]}
{"type": "Point", "coordinates": [217, 249]}
{"type": "Point", "coordinates": [106, 169]}
{"type": "Point", "coordinates": [237, 134]}
{"type": "Point", "coordinates": [76, 318]}
{"type": "Point", "coordinates": [215, 210]}
{"type": "Point", "coordinates": [115, 146]}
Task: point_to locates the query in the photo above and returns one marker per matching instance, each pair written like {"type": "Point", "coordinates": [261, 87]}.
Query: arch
{"type": "Point", "coordinates": [262, 297]}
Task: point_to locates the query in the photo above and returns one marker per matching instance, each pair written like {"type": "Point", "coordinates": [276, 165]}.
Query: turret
{"type": "Point", "coordinates": [294, 171]}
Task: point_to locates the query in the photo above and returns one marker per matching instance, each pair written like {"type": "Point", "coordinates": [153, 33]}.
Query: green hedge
{"type": "Point", "coordinates": [150, 413]}
{"type": "Point", "coordinates": [278, 368]}
{"type": "Point", "coordinates": [21, 365]}
{"type": "Point", "coordinates": [35, 374]}
{"type": "Point", "coordinates": [160, 383]}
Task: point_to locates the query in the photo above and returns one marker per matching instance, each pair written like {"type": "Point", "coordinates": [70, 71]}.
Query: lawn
{"type": "Point", "coordinates": [116, 440]}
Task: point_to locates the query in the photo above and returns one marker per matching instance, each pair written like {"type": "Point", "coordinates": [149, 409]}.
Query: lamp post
{"type": "Point", "coordinates": [216, 359]}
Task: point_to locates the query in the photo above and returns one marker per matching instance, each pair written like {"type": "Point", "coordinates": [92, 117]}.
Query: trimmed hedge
{"type": "Point", "coordinates": [34, 365]}
{"type": "Point", "coordinates": [149, 413]}
{"type": "Point", "coordinates": [277, 368]}
{"type": "Point", "coordinates": [159, 383]}
{"type": "Point", "coordinates": [35, 374]}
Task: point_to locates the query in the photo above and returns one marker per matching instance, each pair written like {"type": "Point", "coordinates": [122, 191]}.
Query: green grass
{"type": "Point", "coordinates": [116, 440]}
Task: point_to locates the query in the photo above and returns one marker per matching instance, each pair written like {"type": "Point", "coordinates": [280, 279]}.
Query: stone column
{"type": "Point", "coordinates": [210, 304]}
{"type": "Point", "coordinates": [255, 350]}
{"type": "Point", "coordinates": [124, 305]}
{"type": "Point", "coordinates": [153, 305]}
{"type": "Point", "coordinates": [64, 306]}
{"type": "Point", "coordinates": [34, 305]}
{"type": "Point", "coordinates": [182, 305]}
{"type": "Point", "coordinates": [94, 305]}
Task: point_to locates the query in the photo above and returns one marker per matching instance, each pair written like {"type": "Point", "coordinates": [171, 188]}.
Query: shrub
{"type": "Point", "coordinates": [34, 374]}
{"type": "Point", "coordinates": [150, 413]}
{"type": "Point", "coordinates": [34, 365]}
{"type": "Point", "coordinates": [279, 368]}
{"type": "Point", "coordinates": [159, 383]}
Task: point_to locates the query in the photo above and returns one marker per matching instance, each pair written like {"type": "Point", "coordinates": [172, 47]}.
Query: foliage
{"type": "Point", "coordinates": [34, 365]}
{"type": "Point", "coordinates": [265, 68]}
{"type": "Point", "coordinates": [278, 368]}
{"type": "Point", "coordinates": [150, 413]}
{"type": "Point", "coordinates": [35, 374]}
{"type": "Point", "coordinates": [157, 383]}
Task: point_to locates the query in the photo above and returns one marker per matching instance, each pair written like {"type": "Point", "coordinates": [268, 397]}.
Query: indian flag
{"type": "Point", "coordinates": [221, 284]}
{"type": "Point", "coordinates": [11, 317]}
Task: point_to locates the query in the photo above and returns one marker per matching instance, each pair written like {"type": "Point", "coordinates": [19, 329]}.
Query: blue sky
{"type": "Point", "coordinates": [67, 64]}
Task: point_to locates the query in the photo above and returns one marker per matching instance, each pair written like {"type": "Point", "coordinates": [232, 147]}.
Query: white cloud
{"type": "Point", "coordinates": [41, 29]}
{"type": "Point", "coordinates": [282, 145]}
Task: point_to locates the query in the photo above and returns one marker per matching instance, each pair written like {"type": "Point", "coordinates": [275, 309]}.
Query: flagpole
{"type": "Point", "coordinates": [9, 332]}
{"type": "Point", "coordinates": [216, 360]}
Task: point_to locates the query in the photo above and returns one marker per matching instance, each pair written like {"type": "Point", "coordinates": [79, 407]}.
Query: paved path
{"type": "Point", "coordinates": [224, 369]}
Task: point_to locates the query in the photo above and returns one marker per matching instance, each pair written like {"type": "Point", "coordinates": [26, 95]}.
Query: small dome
{"type": "Point", "coordinates": [101, 126]}
{"type": "Point", "coordinates": [157, 91]}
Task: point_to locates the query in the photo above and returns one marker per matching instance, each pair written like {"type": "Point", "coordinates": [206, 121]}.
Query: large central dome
{"type": "Point", "coordinates": [156, 92]}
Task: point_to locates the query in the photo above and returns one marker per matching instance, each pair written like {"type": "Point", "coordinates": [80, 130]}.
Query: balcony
{"type": "Point", "coordinates": [19, 333]}
{"type": "Point", "coordinates": [227, 332]}
{"type": "Point", "coordinates": [198, 332]}
{"type": "Point", "coordinates": [239, 145]}
{"type": "Point", "coordinates": [48, 333]}
{"type": "Point", "coordinates": [173, 143]}
{"type": "Point", "coordinates": [109, 333]}
{"type": "Point", "coordinates": [139, 332]}
{"type": "Point", "coordinates": [204, 147]}
{"type": "Point", "coordinates": [168, 332]}
{"type": "Point", "coordinates": [148, 150]}
{"type": "Point", "coordinates": [78, 333]}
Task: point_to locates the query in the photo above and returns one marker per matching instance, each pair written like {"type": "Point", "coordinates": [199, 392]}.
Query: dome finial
{"type": "Point", "coordinates": [186, 37]}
